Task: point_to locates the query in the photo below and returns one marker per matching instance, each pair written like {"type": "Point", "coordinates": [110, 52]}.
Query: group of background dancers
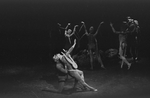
{"type": "Point", "coordinates": [65, 63]}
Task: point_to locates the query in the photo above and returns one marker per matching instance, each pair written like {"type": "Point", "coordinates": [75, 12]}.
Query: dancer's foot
{"type": "Point", "coordinates": [91, 89]}
{"type": "Point", "coordinates": [136, 59]}
{"type": "Point", "coordinates": [121, 65]}
{"type": "Point", "coordinates": [78, 89]}
{"type": "Point", "coordinates": [129, 65]}
{"type": "Point", "coordinates": [102, 66]}
{"type": "Point", "coordinates": [95, 90]}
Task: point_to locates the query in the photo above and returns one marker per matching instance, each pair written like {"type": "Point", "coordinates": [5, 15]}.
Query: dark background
{"type": "Point", "coordinates": [29, 33]}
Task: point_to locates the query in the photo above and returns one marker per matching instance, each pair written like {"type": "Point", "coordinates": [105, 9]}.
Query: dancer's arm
{"type": "Point", "coordinates": [86, 33]}
{"type": "Point", "coordinates": [60, 26]}
{"type": "Point", "coordinates": [84, 27]}
{"type": "Point", "coordinates": [63, 27]}
{"type": "Point", "coordinates": [98, 28]}
{"type": "Point", "coordinates": [59, 67]}
{"type": "Point", "coordinates": [77, 33]}
{"type": "Point", "coordinates": [81, 26]}
{"type": "Point", "coordinates": [113, 29]}
{"type": "Point", "coordinates": [70, 60]}
{"type": "Point", "coordinates": [67, 25]}
{"type": "Point", "coordinates": [66, 29]}
{"type": "Point", "coordinates": [74, 30]}
{"type": "Point", "coordinates": [71, 48]}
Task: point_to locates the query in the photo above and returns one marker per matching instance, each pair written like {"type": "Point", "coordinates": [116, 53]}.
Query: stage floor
{"type": "Point", "coordinates": [113, 82]}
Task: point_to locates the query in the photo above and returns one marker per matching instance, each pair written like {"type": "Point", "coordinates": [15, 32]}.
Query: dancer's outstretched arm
{"type": "Point", "coordinates": [74, 30]}
{"type": "Point", "coordinates": [81, 26]}
{"type": "Point", "coordinates": [113, 29]}
{"type": "Point", "coordinates": [98, 28]}
{"type": "Point", "coordinates": [86, 32]}
{"type": "Point", "coordinates": [71, 48]}
{"type": "Point", "coordinates": [63, 27]}
{"type": "Point", "coordinates": [67, 25]}
{"type": "Point", "coordinates": [84, 27]}
{"type": "Point", "coordinates": [77, 33]}
{"type": "Point", "coordinates": [66, 28]}
{"type": "Point", "coordinates": [64, 70]}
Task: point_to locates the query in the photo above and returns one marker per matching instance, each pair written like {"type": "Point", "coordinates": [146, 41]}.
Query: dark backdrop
{"type": "Point", "coordinates": [29, 32]}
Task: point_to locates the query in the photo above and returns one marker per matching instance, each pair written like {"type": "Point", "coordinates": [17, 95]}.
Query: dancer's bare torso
{"type": "Point", "coordinates": [122, 38]}
{"type": "Point", "coordinates": [69, 67]}
{"type": "Point", "coordinates": [91, 41]}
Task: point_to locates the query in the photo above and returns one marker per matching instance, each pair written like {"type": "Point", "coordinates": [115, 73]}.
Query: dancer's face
{"type": "Point", "coordinates": [57, 57]}
{"type": "Point", "coordinates": [130, 20]}
{"type": "Point", "coordinates": [91, 29]}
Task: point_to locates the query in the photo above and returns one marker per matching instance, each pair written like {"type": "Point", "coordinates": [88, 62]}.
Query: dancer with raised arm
{"type": "Point", "coordinates": [72, 68]}
{"type": "Point", "coordinates": [92, 44]}
{"type": "Point", "coordinates": [78, 36]}
{"type": "Point", "coordinates": [122, 45]}
{"type": "Point", "coordinates": [68, 34]}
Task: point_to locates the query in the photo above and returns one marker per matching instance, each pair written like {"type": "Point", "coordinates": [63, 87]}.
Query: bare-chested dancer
{"type": "Point", "coordinates": [72, 68]}
{"type": "Point", "coordinates": [92, 44]}
{"type": "Point", "coordinates": [122, 45]}
{"type": "Point", "coordinates": [61, 71]}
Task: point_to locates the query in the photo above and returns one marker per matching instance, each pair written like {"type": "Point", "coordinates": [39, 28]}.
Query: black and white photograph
{"type": "Point", "coordinates": [74, 48]}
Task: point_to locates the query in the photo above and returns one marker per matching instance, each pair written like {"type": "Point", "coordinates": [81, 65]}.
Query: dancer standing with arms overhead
{"type": "Point", "coordinates": [92, 44]}
{"type": "Point", "coordinates": [122, 44]}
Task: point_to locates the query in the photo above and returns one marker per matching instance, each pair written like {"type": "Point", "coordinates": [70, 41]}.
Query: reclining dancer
{"type": "Point", "coordinates": [122, 45]}
{"type": "Point", "coordinates": [92, 44]}
{"type": "Point", "coordinates": [72, 68]}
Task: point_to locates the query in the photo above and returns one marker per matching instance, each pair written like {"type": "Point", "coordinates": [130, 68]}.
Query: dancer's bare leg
{"type": "Point", "coordinates": [81, 74]}
{"type": "Point", "coordinates": [122, 51]}
{"type": "Point", "coordinates": [61, 86]}
{"type": "Point", "coordinates": [76, 81]}
{"type": "Point", "coordinates": [100, 61]}
{"type": "Point", "coordinates": [91, 59]}
{"type": "Point", "coordinates": [124, 54]}
{"type": "Point", "coordinates": [129, 64]}
{"type": "Point", "coordinates": [76, 75]}
{"type": "Point", "coordinates": [61, 83]}
{"type": "Point", "coordinates": [99, 56]}
{"type": "Point", "coordinates": [125, 61]}
{"type": "Point", "coordinates": [120, 54]}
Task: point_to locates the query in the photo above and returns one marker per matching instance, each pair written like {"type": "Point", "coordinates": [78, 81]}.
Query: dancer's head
{"type": "Point", "coordinates": [91, 29]}
{"type": "Point", "coordinates": [57, 57]}
{"type": "Point", "coordinates": [69, 31]}
{"type": "Point", "coordinates": [129, 19]}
